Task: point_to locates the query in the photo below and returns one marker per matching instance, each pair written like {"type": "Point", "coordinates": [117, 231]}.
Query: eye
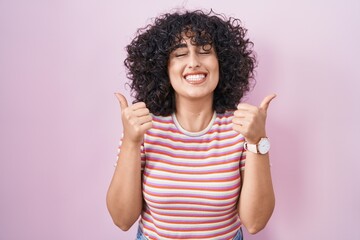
{"type": "Point", "coordinates": [180, 54]}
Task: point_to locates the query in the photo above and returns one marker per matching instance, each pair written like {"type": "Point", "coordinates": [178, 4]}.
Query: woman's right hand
{"type": "Point", "coordinates": [136, 119]}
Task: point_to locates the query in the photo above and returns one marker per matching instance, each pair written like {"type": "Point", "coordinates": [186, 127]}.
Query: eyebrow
{"type": "Point", "coordinates": [184, 45]}
{"type": "Point", "coordinates": [180, 45]}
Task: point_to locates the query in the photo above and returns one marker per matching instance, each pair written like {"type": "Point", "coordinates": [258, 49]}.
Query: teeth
{"type": "Point", "coordinates": [195, 77]}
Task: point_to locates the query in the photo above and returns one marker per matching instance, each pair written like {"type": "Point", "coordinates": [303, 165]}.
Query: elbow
{"type": "Point", "coordinates": [255, 229]}
{"type": "Point", "coordinates": [121, 221]}
{"type": "Point", "coordinates": [255, 221]}
{"type": "Point", "coordinates": [125, 226]}
{"type": "Point", "coordinates": [254, 226]}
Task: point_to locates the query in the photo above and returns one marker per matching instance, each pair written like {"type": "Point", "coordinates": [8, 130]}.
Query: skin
{"type": "Point", "coordinates": [194, 112]}
{"type": "Point", "coordinates": [193, 99]}
{"type": "Point", "coordinates": [124, 197]}
{"type": "Point", "coordinates": [257, 199]}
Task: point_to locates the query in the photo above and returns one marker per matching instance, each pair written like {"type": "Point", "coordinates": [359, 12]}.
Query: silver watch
{"type": "Point", "coordinates": [262, 147]}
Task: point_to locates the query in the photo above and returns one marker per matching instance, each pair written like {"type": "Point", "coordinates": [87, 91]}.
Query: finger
{"type": "Point", "coordinates": [238, 121]}
{"type": "Point", "coordinates": [142, 112]}
{"type": "Point", "coordinates": [238, 128]}
{"type": "Point", "coordinates": [241, 121]}
{"type": "Point", "coordinates": [122, 100]}
{"type": "Point", "coordinates": [244, 106]}
{"type": "Point", "coordinates": [240, 113]}
{"type": "Point", "coordinates": [265, 103]}
{"type": "Point", "coordinates": [146, 126]}
{"type": "Point", "coordinates": [144, 119]}
{"type": "Point", "coordinates": [138, 105]}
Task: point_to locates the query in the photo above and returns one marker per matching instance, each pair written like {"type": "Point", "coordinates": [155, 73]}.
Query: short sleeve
{"type": "Point", "coordinates": [242, 160]}
{"type": "Point", "coordinates": [142, 153]}
{"type": "Point", "coordinates": [143, 157]}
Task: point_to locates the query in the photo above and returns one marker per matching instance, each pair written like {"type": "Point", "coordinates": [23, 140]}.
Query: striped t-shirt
{"type": "Point", "coordinates": [191, 181]}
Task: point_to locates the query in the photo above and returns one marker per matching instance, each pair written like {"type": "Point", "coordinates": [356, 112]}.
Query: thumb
{"type": "Point", "coordinates": [122, 100]}
{"type": "Point", "coordinates": [266, 102]}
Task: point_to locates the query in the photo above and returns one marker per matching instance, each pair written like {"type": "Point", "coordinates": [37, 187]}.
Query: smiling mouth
{"type": "Point", "coordinates": [195, 78]}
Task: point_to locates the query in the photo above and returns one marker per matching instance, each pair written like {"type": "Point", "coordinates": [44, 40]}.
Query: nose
{"type": "Point", "coordinates": [194, 61]}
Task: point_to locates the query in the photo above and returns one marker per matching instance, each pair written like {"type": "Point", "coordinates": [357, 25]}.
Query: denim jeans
{"type": "Point", "coordinates": [239, 235]}
{"type": "Point", "coordinates": [141, 236]}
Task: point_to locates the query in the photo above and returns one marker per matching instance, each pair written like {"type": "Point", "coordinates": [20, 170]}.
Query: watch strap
{"type": "Point", "coordinates": [251, 147]}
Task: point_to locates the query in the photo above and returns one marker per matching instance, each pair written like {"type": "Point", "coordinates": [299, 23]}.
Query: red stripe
{"type": "Point", "coordinates": [203, 146]}
{"type": "Point", "coordinates": [175, 136]}
{"type": "Point", "coordinates": [194, 196]}
{"type": "Point", "coordinates": [159, 177]}
{"type": "Point", "coordinates": [171, 154]}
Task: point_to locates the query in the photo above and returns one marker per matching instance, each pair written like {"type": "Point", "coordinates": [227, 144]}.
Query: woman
{"type": "Point", "coordinates": [181, 163]}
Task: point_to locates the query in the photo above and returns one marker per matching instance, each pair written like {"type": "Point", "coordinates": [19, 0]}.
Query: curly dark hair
{"type": "Point", "coordinates": [148, 56]}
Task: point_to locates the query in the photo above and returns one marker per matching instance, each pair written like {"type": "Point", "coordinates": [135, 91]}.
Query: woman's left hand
{"type": "Point", "coordinates": [250, 120]}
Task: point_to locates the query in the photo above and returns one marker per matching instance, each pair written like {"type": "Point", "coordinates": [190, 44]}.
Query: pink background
{"type": "Point", "coordinates": [61, 61]}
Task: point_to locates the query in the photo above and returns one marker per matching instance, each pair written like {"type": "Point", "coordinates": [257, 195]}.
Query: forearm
{"type": "Point", "coordinates": [124, 197]}
{"type": "Point", "coordinates": [257, 198]}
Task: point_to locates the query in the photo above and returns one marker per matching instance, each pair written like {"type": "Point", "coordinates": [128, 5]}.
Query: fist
{"type": "Point", "coordinates": [136, 119]}
{"type": "Point", "coordinates": [250, 120]}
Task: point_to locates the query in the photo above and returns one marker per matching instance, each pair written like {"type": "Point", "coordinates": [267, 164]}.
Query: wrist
{"type": "Point", "coordinates": [255, 139]}
{"type": "Point", "coordinates": [131, 142]}
{"type": "Point", "coordinates": [261, 147]}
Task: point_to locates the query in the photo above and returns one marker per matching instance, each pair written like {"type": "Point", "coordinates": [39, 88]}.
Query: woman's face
{"type": "Point", "coordinates": [193, 70]}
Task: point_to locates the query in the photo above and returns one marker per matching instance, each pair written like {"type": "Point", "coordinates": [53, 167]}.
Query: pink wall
{"type": "Point", "coordinates": [61, 61]}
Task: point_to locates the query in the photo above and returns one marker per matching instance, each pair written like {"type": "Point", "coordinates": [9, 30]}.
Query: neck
{"type": "Point", "coordinates": [194, 115]}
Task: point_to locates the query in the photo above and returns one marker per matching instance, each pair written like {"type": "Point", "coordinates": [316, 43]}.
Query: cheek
{"type": "Point", "coordinates": [175, 74]}
{"type": "Point", "coordinates": [214, 65]}
{"type": "Point", "coordinates": [216, 70]}
{"type": "Point", "coordinates": [173, 69]}
{"type": "Point", "coordinates": [173, 78]}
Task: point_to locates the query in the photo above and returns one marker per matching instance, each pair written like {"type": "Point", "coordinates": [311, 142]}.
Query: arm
{"type": "Point", "coordinates": [124, 197]}
{"type": "Point", "coordinates": [257, 200]}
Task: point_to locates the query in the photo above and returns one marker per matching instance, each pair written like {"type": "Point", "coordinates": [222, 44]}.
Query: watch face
{"type": "Point", "coordinates": [264, 146]}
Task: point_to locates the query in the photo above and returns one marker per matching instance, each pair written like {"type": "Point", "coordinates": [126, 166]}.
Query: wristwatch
{"type": "Point", "coordinates": [262, 147]}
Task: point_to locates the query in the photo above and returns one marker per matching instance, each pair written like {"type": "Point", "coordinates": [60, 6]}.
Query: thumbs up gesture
{"type": "Point", "coordinates": [250, 120]}
{"type": "Point", "coordinates": [136, 119]}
